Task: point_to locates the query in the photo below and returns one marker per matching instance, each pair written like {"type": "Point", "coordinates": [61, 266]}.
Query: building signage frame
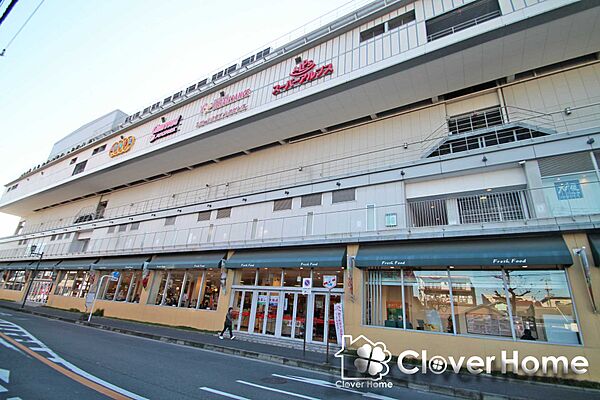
{"type": "Point", "coordinates": [222, 102]}
{"type": "Point", "coordinates": [166, 128]}
{"type": "Point", "coordinates": [121, 146]}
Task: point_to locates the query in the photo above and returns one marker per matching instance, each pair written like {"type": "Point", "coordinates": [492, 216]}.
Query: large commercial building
{"type": "Point", "coordinates": [439, 158]}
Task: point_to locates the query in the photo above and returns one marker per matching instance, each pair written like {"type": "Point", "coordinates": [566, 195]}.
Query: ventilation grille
{"type": "Point", "coordinates": [566, 164]}
{"type": "Point", "coordinates": [224, 213]}
{"type": "Point", "coordinates": [282, 204]}
{"type": "Point", "coordinates": [340, 196]}
{"type": "Point", "coordinates": [311, 200]}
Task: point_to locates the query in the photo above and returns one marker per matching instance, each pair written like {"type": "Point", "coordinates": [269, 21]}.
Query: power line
{"type": "Point", "coordinates": [8, 10]}
{"type": "Point", "coordinates": [22, 26]}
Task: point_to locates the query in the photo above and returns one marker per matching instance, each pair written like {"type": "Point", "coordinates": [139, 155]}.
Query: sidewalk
{"type": "Point", "coordinates": [463, 385]}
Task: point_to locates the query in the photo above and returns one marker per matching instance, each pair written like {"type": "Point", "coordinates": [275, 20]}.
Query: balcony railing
{"type": "Point", "coordinates": [494, 211]}
{"type": "Point", "coordinates": [364, 54]}
{"type": "Point", "coordinates": [370, 159]}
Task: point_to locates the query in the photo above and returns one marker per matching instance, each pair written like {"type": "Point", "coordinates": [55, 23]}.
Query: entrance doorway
{"type": "Point", "coordinates": [286, 313]}
{"type": "Point", "coordinates": [40, 287]}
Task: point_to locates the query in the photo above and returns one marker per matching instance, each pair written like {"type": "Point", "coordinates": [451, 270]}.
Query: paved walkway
{"type": "Point", "coordinates": [463, 385]}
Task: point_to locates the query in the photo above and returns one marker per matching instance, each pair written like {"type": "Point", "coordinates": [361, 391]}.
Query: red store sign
{"type": "Point", "coordinates": [166, 128]}
{"type": "Point", "coordinates": [303, 73]}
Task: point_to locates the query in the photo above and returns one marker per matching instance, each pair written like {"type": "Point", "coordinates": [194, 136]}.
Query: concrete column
{"type": "Point", "coordinates": [534, 184]}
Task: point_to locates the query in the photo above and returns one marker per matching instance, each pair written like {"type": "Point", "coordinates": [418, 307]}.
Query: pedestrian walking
{"type": "Point", "coordinates": [228, 324]}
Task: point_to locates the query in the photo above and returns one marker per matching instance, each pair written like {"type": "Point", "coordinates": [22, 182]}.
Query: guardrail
{"type": "Point", "coordinates": [566, 202]}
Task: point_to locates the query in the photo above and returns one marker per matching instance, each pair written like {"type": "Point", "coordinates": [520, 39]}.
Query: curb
{"type": "Point", "coordinates": [463, 393]}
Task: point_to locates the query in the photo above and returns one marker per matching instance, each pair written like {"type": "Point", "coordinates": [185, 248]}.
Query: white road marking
{"type": "Point", "coordinates": [377, 396]}
{"type": "Point", "coordinates": [59, 360]}
{"type": "Point", "coordinates": [15, 398]}
{"type": "Point", "coordinates": [316, 382]}
{"type": "Point", "coordinates": [10, 346]}
{"type": "Point", "coordinates": [5, 314]}
{"type": "Point", "coordinates": [4, 375]}
{"type": "Point", "coordinates": [277, 390]}
{"type": "Point", "coordinates": [3, 389]}
{"type": "Point", "coordinates": [225, 394]}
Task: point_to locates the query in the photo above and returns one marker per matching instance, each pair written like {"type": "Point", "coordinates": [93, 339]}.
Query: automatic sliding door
{"type": "Point", "coordinates": [271, 314]}
{"type": "Point", "coordinates": [318, 318]}
{"type": "Point", "coordinates": [245, 312]}
{"type": "Point", "coordinates": [287, 322]}
{"type": "Point", "coordinates": [259, 315]}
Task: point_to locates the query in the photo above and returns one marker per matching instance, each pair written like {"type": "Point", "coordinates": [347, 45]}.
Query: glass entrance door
{"type": "Point", "coordinates": [318, 317]}
{"type": "Point", "coordinates": [287, 320]}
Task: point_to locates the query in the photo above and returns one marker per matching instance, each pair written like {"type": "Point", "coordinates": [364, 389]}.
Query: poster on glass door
{"type": "Point", "coordinates": [273, 300]}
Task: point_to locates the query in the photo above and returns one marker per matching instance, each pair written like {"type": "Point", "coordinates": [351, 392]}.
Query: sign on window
{"type": "Point", "coordinates": [568, 190]}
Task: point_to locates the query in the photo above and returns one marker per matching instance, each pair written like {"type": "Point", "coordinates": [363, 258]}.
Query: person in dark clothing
{"type": "Point", "coordinates": [228, 324]}
{"type": "Point", "coordinates": [527, 335]}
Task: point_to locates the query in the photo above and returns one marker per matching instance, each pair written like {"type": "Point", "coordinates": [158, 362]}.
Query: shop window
{"type": "Point", "coordinates": [339, 196]}
{"type": "Point", "coordinates": [211, 289]}
{"type": "Point", "coordinates": [204, 216]}
{"type": "Point", "coordinates": [79, 168]}
{"type": "Point", "coordinates": [292, 277]}
{"type": "Point", "coordinates": [483, 301]}
{"type": "Point", "coordinates": [246, 276]}
{"type": "Point", "coordinates": [110, 287]}
{"type": "Point", "coordinates": [318, 274]}
{"type": "Point", "coordinates": [311, 200]}
{"type": "Point", "coordinates": [200, 288]}
{"type": "Point", "coordinates": [72, 283]}
{"type": "Point", "coordinates": [269, 277]}
{"type": "Point", "coordinates": [15, 280]}
{"type": "Point", "coordinates": [224, 213]}
{"type": "Point", "coordinates": [480, 303]}
{"type": "Point", "coordinates": [282, 204]}
{"type": "Point", "coordinates": [542, 307]}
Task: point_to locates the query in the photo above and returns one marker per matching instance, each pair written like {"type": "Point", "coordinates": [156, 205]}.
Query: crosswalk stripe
{"type": "Point", "coordinates": [278, 390]}
{"type": "Point", "coordinates": [225, 394]}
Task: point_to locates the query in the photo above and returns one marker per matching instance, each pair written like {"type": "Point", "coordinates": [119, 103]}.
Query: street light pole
{"type": "Point", "coordinates": [37, 265]}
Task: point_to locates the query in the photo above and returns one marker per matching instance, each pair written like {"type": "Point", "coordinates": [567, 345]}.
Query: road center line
{"type": "Point", "coordinates": [86, 382]}
{"type": "Point", "coordinates": [225, 394]}
{"type": "Point", "coordinates": [277, 390]}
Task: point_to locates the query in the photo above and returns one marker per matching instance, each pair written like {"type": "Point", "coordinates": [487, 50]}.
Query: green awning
{"type": "Point", "coordinates": [19, 265]}
{"type": "Point", "coordinates": [76, 264]}
{"type": "Point", "coordinates": [289, 258]}
{"type": "Point", "coordinates": [44, 265]}
{"type": "Point", "coordinates": [594, 240]}
{"type": "Point", "coordinates": [479, 252]}
{"type": "Point", "coordinates": [187, 260]}
{"type": "Point", "coordinates": [121, 263]}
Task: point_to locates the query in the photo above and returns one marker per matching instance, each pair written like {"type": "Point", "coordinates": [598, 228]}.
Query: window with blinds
{"type": "Point", "coordinates": [204, 216]}
{"type": "Point", "coordinates": [566, 164]}
{"type": "Point", "coordinates": [224, 213]}
{"type": "Point", "coordinates": [340, 196]}
{"type": "Point", "coordinates": [311, 200]}
{"type": "Point", "coordinates": [282, 204]}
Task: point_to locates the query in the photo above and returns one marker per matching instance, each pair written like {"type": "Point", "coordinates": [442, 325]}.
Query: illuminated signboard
{"type": "Point", "coordinates": [303, 73]}
{"type": "Point", "coordinates": [221, 102]}
{"type": "Point", "coordinates": [166, 128]}
{"type": "Point", "coordinates": [122, 146]}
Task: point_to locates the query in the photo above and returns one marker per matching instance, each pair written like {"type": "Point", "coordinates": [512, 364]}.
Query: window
{"type": "Point", "coordinates": [79, 168]}
{"type": "Point", "coordinates": [372, 32]}
{"type": "Point", "coordinates": [20, 227]}
{"type": "Point", "coordinates": [269, 277]}
{"type": "Point", "coordinates": [401, 20]}
{"type": "Point", "coordinates": [122, 227]}
{"type": "Point", "coordinates": [134, 226]}
{"type": "Point", "coordinates": [491, 207]}
{"type": "Point", "coordinates": [282, 204]}
{"type": "Point", "coordinates": [245, 276]}
{"type": "Point", "coordinates": [204, 216]}
{"type": "Point", "coordinates": [309, 223]}
{"type": "Point", "coordinates": [100, 209]}
{"type": "Point", "coordinates": [427, 212]}
{"type": "Point", "coordinates": [371, 217]}
{"type": "Point", "coordinates": [190, 289]}
{"type": "Point", "coordinates": [462, 18]}
{"type": "Point", "coordinates": [391, 220]}
{"type": "Point", "coordinates": [73, 283]}
{"type": "Point", "coordinates": [475, 120]}
{"type": "Point", "coordinates": [224, 213]}
{"type": "Point", "coordinates": [474, 302]}
{"type": "Point", "coordinates": [73, 161]}
{"type": "Point", "coordinates": [340, 196]}
{"type": "Point", "coordinates": [311, 200]}
{"type": "Point", "coordinates": [52, 238]}
{"type": "Point", "coordinates": [111, 229]}
{"type": "Point", "coordinates": [99, 149]}
{"type": "Point", "coordinates": [15, 280]}
{"type": "Point", "coordinates": [170, 221]}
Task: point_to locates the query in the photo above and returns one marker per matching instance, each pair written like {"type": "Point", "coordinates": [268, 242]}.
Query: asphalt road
{"type": "Point", "coordinates": [145, 369]}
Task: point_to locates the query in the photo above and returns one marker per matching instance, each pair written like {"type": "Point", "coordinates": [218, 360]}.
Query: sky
{"type": "Point", "coordinates": [77, 60]}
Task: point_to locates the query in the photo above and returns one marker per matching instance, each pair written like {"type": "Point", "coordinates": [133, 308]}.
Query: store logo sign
{"type": "Point", "coordinates": [303, 73]}
{"type": "Point", "coordinates": [121, 146]}
{"type": "Point", "coordinates": [226, 100]}
{"type": "Point", "coordinates": [509, 261]}
{"type": "Point", "coordinates": [166, 128]}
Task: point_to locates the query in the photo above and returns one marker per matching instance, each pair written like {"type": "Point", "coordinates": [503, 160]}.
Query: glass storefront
{"type": "Point", "coordinates": [197, 289]}
{"type": "Point", "coordinates": [270, 301]}
{"type": "Point", "coordinates": [520, 304]}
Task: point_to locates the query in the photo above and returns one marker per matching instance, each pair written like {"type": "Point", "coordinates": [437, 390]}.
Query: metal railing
{"type": "Point", "coordinates": [467, 24]}
{"type": "Point", "coordinates": [495, 210]}
{"type": "Point", "coordinates": [369, 159]}
{"type": "Point", "coordinates": [361, 54]}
